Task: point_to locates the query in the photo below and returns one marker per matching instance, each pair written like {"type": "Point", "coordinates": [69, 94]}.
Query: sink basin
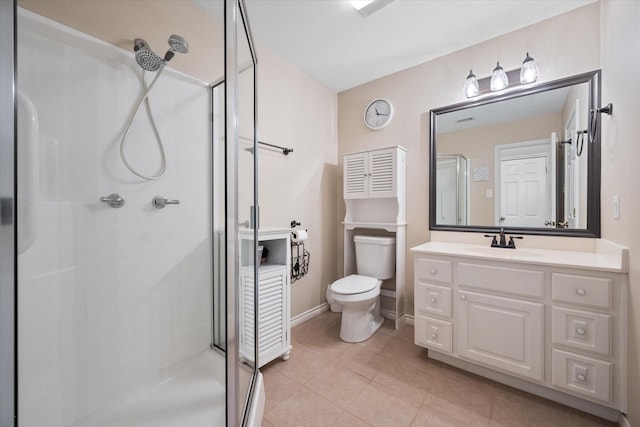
{"type": "Point", "coordinates": [504, 253]}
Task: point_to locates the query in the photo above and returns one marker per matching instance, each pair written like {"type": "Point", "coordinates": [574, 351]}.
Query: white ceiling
{"type": "Point", "coordinates": [332, 42]}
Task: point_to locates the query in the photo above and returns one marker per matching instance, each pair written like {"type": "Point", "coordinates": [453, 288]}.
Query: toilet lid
{"type": "Point", "coordinates": [354, 284]}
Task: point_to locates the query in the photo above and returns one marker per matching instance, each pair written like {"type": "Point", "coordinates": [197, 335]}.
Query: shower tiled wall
{"type": "Point", "coordinates": [109, 299]}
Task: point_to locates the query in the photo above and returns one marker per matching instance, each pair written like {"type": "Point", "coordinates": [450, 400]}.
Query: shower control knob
{"type": "Point", "coordinates": [582, 378]}
{"type": "Point", "coordinates": [114, 200]}
{"type": "Point", "coordinates": [160, 202]}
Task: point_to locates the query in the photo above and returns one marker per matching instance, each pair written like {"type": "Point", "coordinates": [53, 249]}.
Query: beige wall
{"type": "Point", "coordinates": [299, 112]}
{"type": "Point", "coordinates": [478, 146]}
{"type": "Point", "coordinates": [437, 83]}
{"type": "Point", "coordinates": [620, 153]}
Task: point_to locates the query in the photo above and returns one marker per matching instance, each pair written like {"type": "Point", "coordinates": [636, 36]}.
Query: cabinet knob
{"type": "Point", "coordinates": [433, 300]}
{"type": "Point", "coordinates": [582, 378]}
{"type": "Point", "coordinates": [581, 291]}
{"type": "Point", "coordinates": [580, 331]}
{"type": "Point", "coordinates": [432, 271]}
{"type": "Point", "coordinates": [463, 297]}
{"type": "Point", "coordinates": [434, 335]}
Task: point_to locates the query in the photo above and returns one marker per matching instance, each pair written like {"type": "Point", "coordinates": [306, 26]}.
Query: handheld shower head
{"type": "Point", "coordinates": [145, 57]}
{"type": "Point", "coordinates": [178, 44]}
{"type": "Point", "coordinates": [151, 61]}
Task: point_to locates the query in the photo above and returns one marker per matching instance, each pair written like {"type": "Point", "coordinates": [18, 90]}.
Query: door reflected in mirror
{"type": "Point", "coordinates": [526, 160]}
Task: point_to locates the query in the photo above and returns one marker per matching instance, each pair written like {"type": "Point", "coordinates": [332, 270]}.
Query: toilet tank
{"type": "Point", "coordinates": [376, 256]}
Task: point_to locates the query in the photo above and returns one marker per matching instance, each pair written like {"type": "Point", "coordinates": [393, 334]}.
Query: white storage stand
{"type": "Point", "coordinates": [274, 327]}
{"type": "Point", "coordinates": [374, 192]}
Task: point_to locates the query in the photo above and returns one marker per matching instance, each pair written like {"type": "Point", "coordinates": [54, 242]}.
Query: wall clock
{"type": "Point", "coordinates": [378, 114]}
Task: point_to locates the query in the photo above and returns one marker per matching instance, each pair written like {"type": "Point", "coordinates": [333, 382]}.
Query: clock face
{"type": "Point", "coordinates": [378, 114]}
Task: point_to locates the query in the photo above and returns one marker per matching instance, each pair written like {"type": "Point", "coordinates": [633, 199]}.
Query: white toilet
{"type": "Point", "coordinates": [358, 295]}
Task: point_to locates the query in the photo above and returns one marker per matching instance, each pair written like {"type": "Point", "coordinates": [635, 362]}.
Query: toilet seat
{"type": "Point", "coordinates": [354, 284]}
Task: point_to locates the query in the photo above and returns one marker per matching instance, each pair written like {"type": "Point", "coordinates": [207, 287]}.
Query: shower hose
{"type": "Point", "coordinates": [144, 99]}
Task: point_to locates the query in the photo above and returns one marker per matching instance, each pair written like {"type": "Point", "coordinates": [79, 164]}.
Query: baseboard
{"type": "Point", "coordinates": [409, 319]}
{"type": "Point", "coordinates": [623, 421]}
{"type": "Point", "coordinates": [309, 314]}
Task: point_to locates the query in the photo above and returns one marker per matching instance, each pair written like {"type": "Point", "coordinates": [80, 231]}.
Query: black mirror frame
{"type": "Point", "coordinates": [593, 78]}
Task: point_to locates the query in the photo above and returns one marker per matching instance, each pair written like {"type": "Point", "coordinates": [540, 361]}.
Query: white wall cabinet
{"type": "Point", "coordinates": [371, 174]}
{"type": "Point", "coordinates": [274, 300]}
{"type": "Point", "coordinates": [375, 198]}
{"type": "Point", "coordinates": [552, 329]}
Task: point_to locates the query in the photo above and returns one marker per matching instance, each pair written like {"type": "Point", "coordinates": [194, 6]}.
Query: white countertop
{"type": "Point", "coordinates": [608, 256]}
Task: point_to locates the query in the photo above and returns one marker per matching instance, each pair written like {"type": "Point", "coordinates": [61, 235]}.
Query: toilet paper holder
{"type": "Point", "coordinates": [300, 257]}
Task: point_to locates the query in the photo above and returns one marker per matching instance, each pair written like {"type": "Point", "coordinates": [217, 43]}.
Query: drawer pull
{"type": "Point", "coordinates": [432, 271]}
{"type": "Point", "coordinates": [581, 291]}
{"type": "Point", "coordinates": [434, 336]}
{"type": "Point", "coordinates": [463, 297]}
{"type": "Point", "coordinates": [580, 331]}
{"type": "Point", "coordinates": [433, 300]}
{"type": "Point", "coordinates": [582, 378]}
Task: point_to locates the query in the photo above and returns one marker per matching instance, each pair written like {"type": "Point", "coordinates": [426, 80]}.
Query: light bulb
{"type": "Point", "coordinates": [529, 71]}
{"type": "Point", "coordinates": [471, 87]}
{"type": "Point", "coordinates": [499, 79]}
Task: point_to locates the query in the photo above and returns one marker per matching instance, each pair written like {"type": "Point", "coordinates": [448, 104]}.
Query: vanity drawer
{"type": "Point", "coordinates": [433, 299]}
{"type": "Point", "coordinates": [434, 334]}
{"type": "Point", "coordinates": [583, 290]}
{"type": "Point", "coordinates": [512, 281]}
{"type": "Point", "coordinates": [431, 270]}
{"type": "Point", "coordinates": [582, 330]}
{"type": "Point", "coordinates": [582, 375]}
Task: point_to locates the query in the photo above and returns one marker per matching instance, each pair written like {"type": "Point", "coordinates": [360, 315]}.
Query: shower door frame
{"type": "Point", "coordinates": [235, 18]}
{"type": "Point", "coordinates": [8, 321]}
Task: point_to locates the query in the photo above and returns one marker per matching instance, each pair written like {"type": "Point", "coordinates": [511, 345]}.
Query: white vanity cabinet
{"type": "Point", "coordinates": [549, 322]}
{"type": "Point", "coordinates": [273, 289]}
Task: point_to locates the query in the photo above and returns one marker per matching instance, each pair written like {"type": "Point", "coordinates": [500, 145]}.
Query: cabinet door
{"type": "Point", "coordinates": [356, 176]}
{"type": "Point", "coordinates": [500, 332]}
{"type": "Point", "coordinates": [272, 315]}
{"type": "Point", "coordinates": [382, 173]}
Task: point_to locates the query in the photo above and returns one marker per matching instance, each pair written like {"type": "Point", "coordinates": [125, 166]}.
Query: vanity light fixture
{"type": "Point", "coordinates": [471, 87]}
{"type": "Point", "coordinates": [499, 79]}
{"type": "Point", "coordinates": [529, 71]}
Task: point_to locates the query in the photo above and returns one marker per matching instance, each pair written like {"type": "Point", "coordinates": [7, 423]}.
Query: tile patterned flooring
{"type": "Point", "coordinates": [388, 381]}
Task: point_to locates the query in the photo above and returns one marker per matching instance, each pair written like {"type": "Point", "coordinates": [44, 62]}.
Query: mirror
{"type": "Point", "coordinates": [526, 159]}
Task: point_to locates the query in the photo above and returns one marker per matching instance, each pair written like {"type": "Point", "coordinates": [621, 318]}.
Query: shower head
{"type": "Point", "coordinates": [145, 57]}
{"type": "Point", "coordinates": [151, 61]}
{"type": "Point", "coordinates": [148, 60]}
{"type": "Point", "coordinates": [178, 44]}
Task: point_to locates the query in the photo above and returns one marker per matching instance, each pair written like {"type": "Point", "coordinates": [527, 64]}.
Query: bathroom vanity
{"type": "Point", "coordinates": [550, 322]}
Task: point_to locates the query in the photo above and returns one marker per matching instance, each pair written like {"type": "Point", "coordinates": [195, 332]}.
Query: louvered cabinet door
{"type": "Point", "coordinates": [272, 314]}
{"type": "Point", "coordinates": [356, 176]}
{"type": "Point", "coordinates": [382, 173]}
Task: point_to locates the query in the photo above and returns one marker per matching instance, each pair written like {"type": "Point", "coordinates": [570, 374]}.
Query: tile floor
{"type": "Point", "coordinates": [388, 381]}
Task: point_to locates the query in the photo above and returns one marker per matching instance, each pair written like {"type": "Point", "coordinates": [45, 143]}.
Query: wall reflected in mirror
{"type": "Point", "coordinates": [520, 161]}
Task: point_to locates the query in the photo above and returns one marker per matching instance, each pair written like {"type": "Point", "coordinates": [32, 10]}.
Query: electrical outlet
{"type": "Point", "coordinates": [616, 207]}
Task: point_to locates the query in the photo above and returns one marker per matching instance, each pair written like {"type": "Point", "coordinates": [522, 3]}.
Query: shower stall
{"type": "Point", "coordinates": [121, 195]}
